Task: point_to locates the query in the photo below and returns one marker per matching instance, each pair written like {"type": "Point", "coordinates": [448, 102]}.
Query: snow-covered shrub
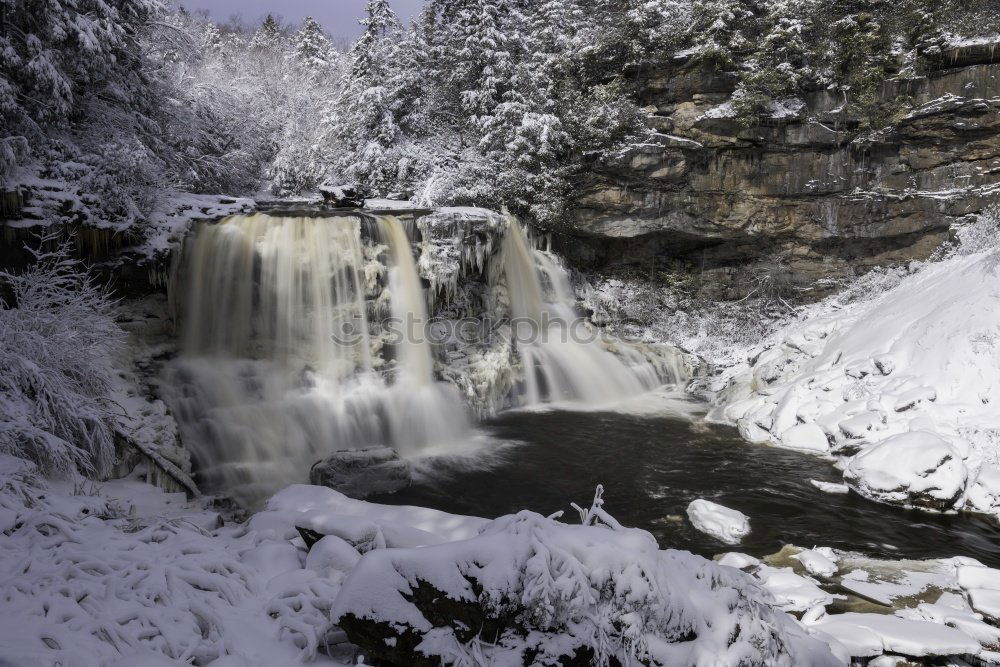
{"type": "Point", "coordinates": [981, 234]}
{"type": "Point", "coordinates": [57, 339]}
{"type": "Point", "coordinates": [532, 590]}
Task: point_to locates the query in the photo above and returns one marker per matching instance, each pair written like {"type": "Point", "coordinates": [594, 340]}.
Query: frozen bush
{"type": "Point", "coordinates": [533, 590]}
{"type": "Point", "coordinates": [57, 339]}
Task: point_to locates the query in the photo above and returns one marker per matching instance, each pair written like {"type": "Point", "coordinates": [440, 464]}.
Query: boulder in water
{"type": "Point", "coordinates": [342, 196]}
{"type": "Point", "coordinates": [917, 468]}
{"type": "Point", "coordinates": [360, 473]}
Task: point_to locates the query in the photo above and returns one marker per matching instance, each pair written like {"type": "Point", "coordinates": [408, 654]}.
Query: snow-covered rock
{"type": "Point", "coordinates": [899, 352]}
{"type": "Point", "coordinates": [724, 524]}
{"type": "Point", "coordinates": [818, 562]}
{"type": "Point", "coordinates": [738, 560]}
{"type": "Point", "coordinates": [531, 586]}
{"type": "Point", "coordinates": [805, 436]}
{"type": "Point", "coordinates": [917, 469]}
{"type": "Point", "coordinates": [792, 592]}
{"type": "Point", "coordinates": [871, 634]}
{"type": "Point", "coordinates": [362, 472]}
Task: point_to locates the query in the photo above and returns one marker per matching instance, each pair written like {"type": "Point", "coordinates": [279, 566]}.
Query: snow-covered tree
{"type": "Point", "coordinates": [312, 46]}
{"type": "Point", "coordinates": [57, 341]}
{"type": "Point", "coordinates": [369, 54]}
{"type": "Point", "coordinates": [722, 30]}
{"type": "Point", "coordinates": [783, 62]}
{"type": "Point", "coordinates": [61, 58]}
{"type": "Point", "coordinates": [863, 52]}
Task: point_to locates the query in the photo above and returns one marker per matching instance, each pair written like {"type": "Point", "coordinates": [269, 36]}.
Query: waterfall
{"type": "Point", "coordinates": [564, 358]}
{"type": "Point", "coordinates": [408, 304]}
{"type": "Point", "coordinates": [279, 364]}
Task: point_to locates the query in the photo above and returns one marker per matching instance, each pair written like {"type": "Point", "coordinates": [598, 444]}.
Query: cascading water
{"type": "Point", "coordinates": [563, 357]}
{"type": "Point", "coordinates": [279, 365]}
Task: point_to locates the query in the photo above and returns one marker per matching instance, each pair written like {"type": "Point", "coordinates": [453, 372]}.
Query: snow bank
{"type": "Point", "coordinates": [900, 383]}
{"type": "Point", "coordinates": [915, 468]}
{"type": "Point", "coordinates": [124, 574]}
{"type": "Point", "coordinates": [533, 590]}
{"type": "Point", "coordinates": [724, 524]}
{"type": "Point", "coordinates": [928, 606]}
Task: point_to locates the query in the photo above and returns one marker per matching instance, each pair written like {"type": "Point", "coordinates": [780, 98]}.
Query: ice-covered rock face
{"type": "Point", "coordinates": [916, 469]}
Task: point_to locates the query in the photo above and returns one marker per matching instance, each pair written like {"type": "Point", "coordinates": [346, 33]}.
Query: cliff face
{"type": "Point", "coordinates": [796, 196]}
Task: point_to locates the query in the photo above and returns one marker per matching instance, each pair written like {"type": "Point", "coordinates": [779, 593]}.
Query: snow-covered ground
{"type": "Point", "coordinates": [122, 574]}
{"type": "Point", "coordinates": [897, 379]}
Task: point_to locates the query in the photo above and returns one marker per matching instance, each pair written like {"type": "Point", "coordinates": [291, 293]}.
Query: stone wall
{"type": "Point", "coordinates": [799, 194]}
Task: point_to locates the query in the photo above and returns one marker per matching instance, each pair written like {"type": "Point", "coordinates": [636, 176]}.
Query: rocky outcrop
{"type": "Point", "coordinates": [800, 193]}
{"type": "Point", "coordinates": [359, 473]}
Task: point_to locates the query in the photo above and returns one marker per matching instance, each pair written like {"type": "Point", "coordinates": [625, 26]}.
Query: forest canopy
{"type": "Point", "coordinates": [501, 103]}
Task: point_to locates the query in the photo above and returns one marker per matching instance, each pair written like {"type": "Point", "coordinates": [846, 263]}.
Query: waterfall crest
{"type": "Point", "coordinates": [564, 358]}
{"type": "Point", "coordinates": [279, 364]}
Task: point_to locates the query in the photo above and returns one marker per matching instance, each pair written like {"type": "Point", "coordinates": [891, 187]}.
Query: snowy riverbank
{"type": "Point", "coordinates": [896, 379]}
{"type": "Point", "coordinates": [124, 574]}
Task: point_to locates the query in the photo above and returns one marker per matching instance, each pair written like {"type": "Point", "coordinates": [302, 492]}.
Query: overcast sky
{"type": "Point", "coordinates": [339, 17]}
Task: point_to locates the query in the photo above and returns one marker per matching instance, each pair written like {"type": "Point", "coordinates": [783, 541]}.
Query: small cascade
{"type": "Point", "coordinates": [409, 307]}
{"type": "Point", "coordinates": [564, 358]}
{"type": "Point", "coordinates": [280, 364]}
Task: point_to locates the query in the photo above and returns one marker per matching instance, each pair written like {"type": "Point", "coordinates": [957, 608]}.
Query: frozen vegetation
{"type": "Point", "coordinates": [126, 124]}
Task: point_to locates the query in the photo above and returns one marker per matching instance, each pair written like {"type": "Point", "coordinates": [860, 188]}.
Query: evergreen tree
{"type": "Point", "coordinates": [924, 31]}
{"type": "Point", "coordinates": [722, 30]}
{"type": "Point", "coordinates": [369, 53]}
{"type": "Point", "coordinates": [268, 36]}
{"type": "Point", "coordinates": [363, 124]}
{"type": "Point", "coordinates": [782, 65]}
{"type": "Point", "coordinates": [312, 46]}
{"type": "Point", "coordinates": [863, 54]}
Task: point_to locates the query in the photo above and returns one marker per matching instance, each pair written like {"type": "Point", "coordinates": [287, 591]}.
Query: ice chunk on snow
{"type": "Point", "coordinates": [724, 524]}
{"type": "Point", "coordinates": [950, 609]}
{"type": "Point", "coordinates": [738, 560]}
{"type": "Point", "coordinates": [971, 576]}
{"type": "Point", "coordinates": [896, 635]}
{"type": "Point", "coordinates": [816, 563]}
{"type": "Point", "coordinates": [986, 602]}
{"type": "Point", "coordinates": [791, 591]}
{"type": "Point", "coordinates": [830, 487]}
{"type": "Point", "coordinates": [917, 468]}
{"type": "Point", "coordinates": [982, 585]}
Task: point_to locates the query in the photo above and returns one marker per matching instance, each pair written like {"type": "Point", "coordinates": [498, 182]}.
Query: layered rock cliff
{"type": "Point", "coordinates": [800, 195]}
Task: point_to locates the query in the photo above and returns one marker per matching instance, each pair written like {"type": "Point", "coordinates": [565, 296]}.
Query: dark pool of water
{"type": "Point", "coordinates": [652, 466]}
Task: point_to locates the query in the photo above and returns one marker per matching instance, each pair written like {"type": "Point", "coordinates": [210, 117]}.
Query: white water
{"type": "Point", "coordinates": [266, 383]}
{"type": "Point", "coordinates": [563, 357]}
